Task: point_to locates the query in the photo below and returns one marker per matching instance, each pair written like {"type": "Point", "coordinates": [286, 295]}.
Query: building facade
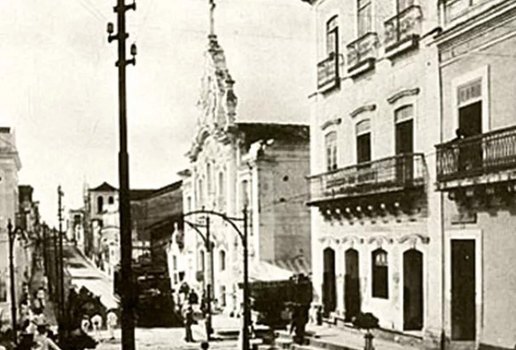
{"type": "Point", "coordinates": [476, 172]}
{"type": "Point", "coordinates": [10, 165]}
{"type": "Point", "coordinates": [376, 242]}
{"type": "Point", "coordinates": [237, 166]}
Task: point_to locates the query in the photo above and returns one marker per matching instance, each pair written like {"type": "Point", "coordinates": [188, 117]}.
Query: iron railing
{"type": "Point", "coordinates": [362, 49]}
{"type": "Point", "coordinates": [384, 175]}
{"type": "Point", "coordinates": [328, 72]}
{"type": "Point", "coordinates": [403, 26]}
{"type": "Point", "coordinates": [477, 155]}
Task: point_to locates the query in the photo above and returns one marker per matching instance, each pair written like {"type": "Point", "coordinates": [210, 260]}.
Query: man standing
{"type": "Point", "coordinates": [188, 319]}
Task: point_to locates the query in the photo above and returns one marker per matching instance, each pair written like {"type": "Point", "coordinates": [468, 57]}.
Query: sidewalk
{"type": "Point", "coordinates": [341, 338]}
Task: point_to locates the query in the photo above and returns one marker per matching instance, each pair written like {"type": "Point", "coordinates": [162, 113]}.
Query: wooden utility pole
{"type": "Point", "coordinates": [127, 294]}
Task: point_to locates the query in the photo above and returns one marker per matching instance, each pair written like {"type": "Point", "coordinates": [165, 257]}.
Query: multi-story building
{"type": "Point", "coordinates": [476, 167]}
{"type": "Point", "coordinates": [234, 166]}
{"type": "Point", "coordinates": [376, 243]}
{"type": "Point", "coordinates": [9, 166]}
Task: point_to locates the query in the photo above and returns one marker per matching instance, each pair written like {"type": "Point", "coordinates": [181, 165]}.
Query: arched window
{"type": "Point", "coordinates": [222, 260]}
{"type": "Point", "coordinates": [100, 204]}
{"type": "Point", "coordinates": [244, 195]}
{"type": "Point", "coordinates": [111, 200]}
{"type": "Point", "coordinates": [208, 178]}
{"type": "Point", "coordinates": [380, 274]}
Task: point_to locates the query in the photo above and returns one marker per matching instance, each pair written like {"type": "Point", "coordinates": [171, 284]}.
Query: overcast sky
{"type": "Point", "coordinates": [58, 85]}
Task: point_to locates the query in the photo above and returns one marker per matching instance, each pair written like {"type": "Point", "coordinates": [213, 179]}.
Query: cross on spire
{"type": "Point", "coordinates": [212, 17]}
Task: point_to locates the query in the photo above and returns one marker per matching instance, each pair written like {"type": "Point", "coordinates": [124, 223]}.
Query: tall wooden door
{"type": "Point", "coordinates": [351, 284]}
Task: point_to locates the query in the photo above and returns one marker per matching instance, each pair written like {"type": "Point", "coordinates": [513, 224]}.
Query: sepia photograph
{"type": "Point", "coordinates": [257, 174]}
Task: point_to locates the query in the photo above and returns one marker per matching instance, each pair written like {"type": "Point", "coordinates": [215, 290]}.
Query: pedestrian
{"type": "Point", "coordinates": [85, 324]}
{"type": "Point", "coordinates": [188, 320]}
{"type": "Point", "coordinates": [96, 322]}
{"type": "Point", "coordinates": [112, 321]}
{"type": "Point", "coordinates": [41, 296]}
{"type": "Point", "coordinates": [41, 339]}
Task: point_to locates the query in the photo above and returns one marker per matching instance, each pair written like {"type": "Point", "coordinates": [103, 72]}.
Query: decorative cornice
{"type": "Point", "coordinates": [361, 109]}
{"type": "Point", "coordinates": [403, 93]}
{"type": "Point", "coordinates": [380, 240]}
{"type": "Point", "coordinates": [331, 122]}
{"type": "Point", "coordinates": [413, 238]}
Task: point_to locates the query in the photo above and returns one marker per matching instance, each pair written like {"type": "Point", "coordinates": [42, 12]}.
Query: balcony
{"type": "Point", "coordinates": [402, 31]}
{"type": "Point", "coordinates": [387, 175]}
{"type": "Point", "coordinates": [328, 73]}
{"type": "Point", "coordinates": [362, 54]}
{"type": "Point", "coordinates": [480, 159]}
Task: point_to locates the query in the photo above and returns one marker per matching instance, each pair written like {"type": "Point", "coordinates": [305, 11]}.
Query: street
{"type": "Point", "coordinates": [166, 338]}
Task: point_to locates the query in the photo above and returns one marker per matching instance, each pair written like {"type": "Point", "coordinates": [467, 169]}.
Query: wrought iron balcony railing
{"type": "Point", "coordinates": [477, 155]}
{"type": "Point", "coordinates": [362, 50]}
{"type": "Point", "coordinates": [380, 176]}
{"type": "Point", "coordinates": [328, 72]}
{"type": "Point", "coordinates": [404, 27]}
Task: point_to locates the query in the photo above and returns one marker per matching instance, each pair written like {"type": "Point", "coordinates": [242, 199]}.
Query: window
{"type": "Point", "coordinates": [332, 36]}
{"type": "Point", "coordinates": [223, 296]}
{"type": "Point", "coordinates": [201, 262]}
{"type": "Point", "coordinates": [200, 193]}
{"type": "Point", "coordinates": [331, 150]}
{"type": "Point", "coordinates": [364, 23]}
{"type": "Point", "coordinates": [363, 132]}
{"type": "Point", "coordinates": [100, 204]}
{"type": "Point", "coordinates": [380, 274]}
{"type": "Point", "coordinates": [222, 259]}
{"type": "Point", "coordinates": [222, 190]}
{"type": "Point", "coordinates": [188, 203]}
{"type": "Point", "coordinates": [208, 178]}
{"type": "Point", "coordinates": [3, 288]}
{"type": "Point", "coordinates": [111, 200]}
{"type": "Point", "coordinates": [174, 262]}
{"type": "Point", "coordinates": [244, 194]}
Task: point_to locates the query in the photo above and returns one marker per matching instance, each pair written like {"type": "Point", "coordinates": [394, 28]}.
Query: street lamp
{"type": "Point", "coordinates": [243, 236]}
{"type": "Point", "coordinates": [12, 231]}
{"type": "Point", "coordinates": [210, 280]}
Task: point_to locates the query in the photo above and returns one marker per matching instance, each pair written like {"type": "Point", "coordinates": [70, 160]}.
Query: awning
{"type": "Point", "coordinates": [265, 271]}
{"type": "Point", "coordinates": [100, 287]}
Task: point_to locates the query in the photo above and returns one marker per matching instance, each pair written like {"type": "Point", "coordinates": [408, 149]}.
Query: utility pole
{"type": "Point", "coordinates": [127, 294]}
{"type": "Point", "coordinates": [60, 278]}
{"type": "Point", "coordinates": [247, 313]}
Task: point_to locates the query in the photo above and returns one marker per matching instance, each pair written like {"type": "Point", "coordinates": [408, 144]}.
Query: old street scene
{"type": "Point", "coordinates": [257, 174]}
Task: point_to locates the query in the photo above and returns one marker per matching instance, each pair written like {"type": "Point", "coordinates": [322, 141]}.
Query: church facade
{"type": "Point", "coordinates": [236, 166]}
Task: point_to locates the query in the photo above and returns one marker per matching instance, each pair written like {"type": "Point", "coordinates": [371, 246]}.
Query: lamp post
{"type": "Point", "coordinates": [12, 236]}
{"type": "Point", "coordinates": [127, 294]}
{"type": "Point", "coordinates": [60, 195]}
{"type": "Point", "coordinates": [210, 279]}
{"type": "Point", "coordinates": [243, 236]}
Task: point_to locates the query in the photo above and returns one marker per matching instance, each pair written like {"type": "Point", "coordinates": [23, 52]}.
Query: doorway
{"type": "Point", "coordinates": [413, 290]}
{"type": "Point", "coordinates": [463, 289]}
{"type": "Point", "coordinates": [470, 125]}
{"type": "Point", "coordinates": [351, 285]}
{"type": "Point", "coordinates": [404, 146]}
{"type": "Point", "coordinates": [329, 291]}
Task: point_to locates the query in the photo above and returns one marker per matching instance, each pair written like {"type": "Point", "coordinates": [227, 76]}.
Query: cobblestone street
{"type": "Point", "coordinates": [165, 338]}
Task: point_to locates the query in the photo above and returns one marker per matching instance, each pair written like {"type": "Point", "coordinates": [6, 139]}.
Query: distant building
{"type": "Point", "coordinates": [476, 172]}
{"type": "Point", "coordinates": [234, 166]}
{"type": "Point", "coordinates": [75, 223]}
{"type": "Point", "coordinates": [153, 212]}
